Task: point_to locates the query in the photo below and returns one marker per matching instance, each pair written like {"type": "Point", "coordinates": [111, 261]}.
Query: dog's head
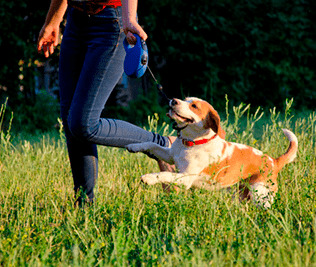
{"type": "Point", "coordinates": [195, 116]}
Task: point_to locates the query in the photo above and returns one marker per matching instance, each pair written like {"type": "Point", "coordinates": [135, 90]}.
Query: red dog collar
{"type": "Point", "coordinates": [197, 142]}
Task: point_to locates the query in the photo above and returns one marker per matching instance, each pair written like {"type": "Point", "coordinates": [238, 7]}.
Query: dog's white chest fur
{"type": "Point", "coordinates": [194, 159]}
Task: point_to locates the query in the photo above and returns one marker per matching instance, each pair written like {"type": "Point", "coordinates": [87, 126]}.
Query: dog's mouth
{"type": "Point", "coordinates": [177, 117]}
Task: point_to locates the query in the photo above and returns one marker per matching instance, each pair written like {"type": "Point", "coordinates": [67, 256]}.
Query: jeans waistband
{"type": "Point", "coordinates": [106, 13]}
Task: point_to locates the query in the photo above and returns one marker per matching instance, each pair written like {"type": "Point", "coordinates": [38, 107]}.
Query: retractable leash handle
{"type": "Point", "coordinates": [136, 59]}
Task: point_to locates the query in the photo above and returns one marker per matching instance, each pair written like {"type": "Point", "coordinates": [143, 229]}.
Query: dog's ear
{"type": "Point", "coordinates": [213, 121]}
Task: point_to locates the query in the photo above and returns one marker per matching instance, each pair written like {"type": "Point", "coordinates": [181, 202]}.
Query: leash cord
{"type": "Point", "coordinates": [159, 87]}
{"type": "Point", "coordinates": [152, 75]}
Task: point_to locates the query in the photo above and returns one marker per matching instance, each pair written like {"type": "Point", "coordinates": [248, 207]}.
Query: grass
{"type": "Point", "coordinates": [134, 224]}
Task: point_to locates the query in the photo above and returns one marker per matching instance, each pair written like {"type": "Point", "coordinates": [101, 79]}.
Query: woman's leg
{"type": "Point", "coordinates": [82, 155]}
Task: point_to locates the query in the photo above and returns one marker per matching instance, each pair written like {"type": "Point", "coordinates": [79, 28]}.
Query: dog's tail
{"type": "Point", "coordinates": [290, 154]}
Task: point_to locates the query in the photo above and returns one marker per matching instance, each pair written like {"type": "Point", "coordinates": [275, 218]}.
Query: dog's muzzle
{"type": "Point", "coordinates": [173, 102]}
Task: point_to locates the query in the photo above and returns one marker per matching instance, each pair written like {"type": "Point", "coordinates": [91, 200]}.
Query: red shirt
{"type": "Point", "coordinates": [114, 3]}
{"type": "Point", "coordinates": [93, 7]}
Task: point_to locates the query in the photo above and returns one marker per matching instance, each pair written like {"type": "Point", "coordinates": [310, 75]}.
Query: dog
{"type": "Point", "coordinates": [205, 160]}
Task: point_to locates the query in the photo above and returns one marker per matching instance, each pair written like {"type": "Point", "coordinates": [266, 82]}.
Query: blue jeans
{"type": "Point", "coordinates": [90, 65]}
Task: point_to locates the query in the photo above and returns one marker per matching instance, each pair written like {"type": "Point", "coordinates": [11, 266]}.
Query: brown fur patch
{"type": "Point", "coordinates": [213, 121]}
{"type": "Point", "coordinates": [200, 108]}
{"type": "Point", "coordinates": [240, 165]}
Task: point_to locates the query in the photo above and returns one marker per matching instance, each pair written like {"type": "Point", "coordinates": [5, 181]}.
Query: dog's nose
{"type": "Point", "coordinates": [174, 102]}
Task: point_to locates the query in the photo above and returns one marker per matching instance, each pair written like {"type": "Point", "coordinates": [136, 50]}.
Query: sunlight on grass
{"type": "Point", "coordinates": [135, 224]}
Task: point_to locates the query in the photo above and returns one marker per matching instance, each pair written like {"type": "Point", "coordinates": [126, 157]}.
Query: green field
{"type": "Point", "coordinates": [138, 225]}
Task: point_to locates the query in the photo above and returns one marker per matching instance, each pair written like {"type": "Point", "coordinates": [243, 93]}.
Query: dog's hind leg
{"type": "Point", "coordinates": [261, 195]}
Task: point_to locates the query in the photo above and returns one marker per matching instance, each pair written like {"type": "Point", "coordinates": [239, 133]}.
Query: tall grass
{"type": "Point", "coordinates": [134, 224]}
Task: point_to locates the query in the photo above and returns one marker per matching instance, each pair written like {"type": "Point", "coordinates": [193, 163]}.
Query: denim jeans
{"type": "Point", "coordinates": [90, 65]}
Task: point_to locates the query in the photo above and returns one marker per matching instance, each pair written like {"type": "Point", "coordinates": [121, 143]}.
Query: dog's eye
{"type": "Point", "coordinates": [193, 106]}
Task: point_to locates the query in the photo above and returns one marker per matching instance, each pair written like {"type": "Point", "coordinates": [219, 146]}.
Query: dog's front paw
{"type": "Point", "coordinates": [150, 179]}
{"type": "Point", "coordinates": [134, 148]}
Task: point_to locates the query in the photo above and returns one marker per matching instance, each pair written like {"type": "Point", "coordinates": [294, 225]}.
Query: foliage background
{"type": "Point", "coordinates": [258, 52]}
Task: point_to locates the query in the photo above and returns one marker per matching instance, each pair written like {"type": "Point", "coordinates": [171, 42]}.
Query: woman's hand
{"type": "Point", "coordinates": [48, 39]}
{"type": "Point", "coordinates": [131, 27]}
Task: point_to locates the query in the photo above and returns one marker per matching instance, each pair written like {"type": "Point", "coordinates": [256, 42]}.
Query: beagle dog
{"type": "Point", "coordinates": [205, 160]}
